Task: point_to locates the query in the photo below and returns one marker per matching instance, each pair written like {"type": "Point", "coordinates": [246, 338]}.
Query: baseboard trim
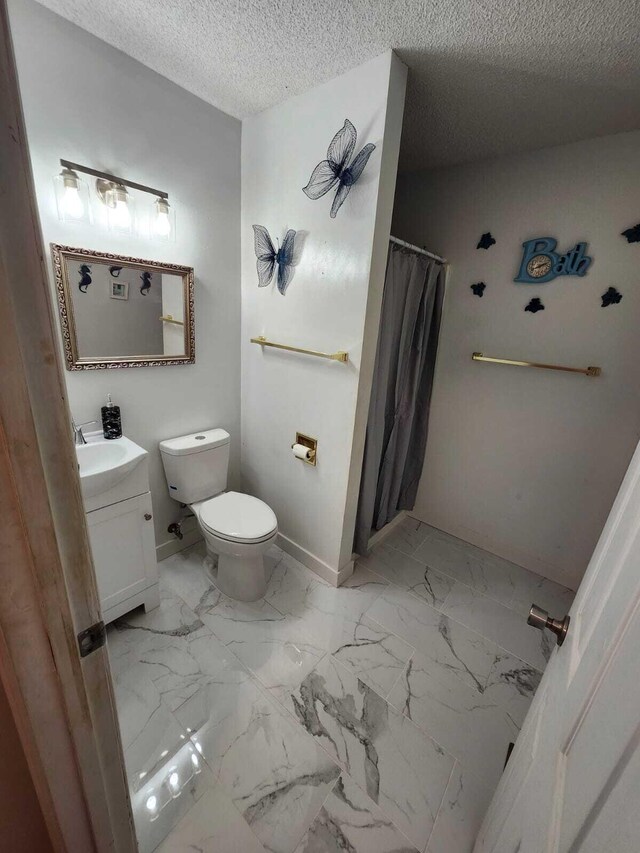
{"type": "Point", "coordinates": [324, 570]}
{"type": "Point", "coordinates": [173, 545]}
{"type": "Point", "coordinates": [530, 562]}
{"type": "Point", "coordinates": [382, 534]}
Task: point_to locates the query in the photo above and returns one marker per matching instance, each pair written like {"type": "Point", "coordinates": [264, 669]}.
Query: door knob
{"type": "Point", "coordinates": [539, 618]}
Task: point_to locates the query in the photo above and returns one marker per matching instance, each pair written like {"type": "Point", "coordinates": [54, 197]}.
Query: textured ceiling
{"type": "Point", "coordinates": [487, 77]}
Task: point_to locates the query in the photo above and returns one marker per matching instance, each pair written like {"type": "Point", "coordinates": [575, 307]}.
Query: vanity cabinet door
{"type": "Point", "coordinates": [123, 546]}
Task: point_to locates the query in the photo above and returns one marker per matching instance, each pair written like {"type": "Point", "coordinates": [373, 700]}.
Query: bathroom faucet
{"type": "Point", "coordinates": [78, 436]}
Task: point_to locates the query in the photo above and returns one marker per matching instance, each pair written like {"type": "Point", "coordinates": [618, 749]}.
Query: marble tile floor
{"type": "Point", "coordinates": [375, 717]}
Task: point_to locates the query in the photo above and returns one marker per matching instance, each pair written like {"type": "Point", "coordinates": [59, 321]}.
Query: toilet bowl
{"type": "Point", "coordinates": [236, 527]}
{"type": "Point", "coordinates": [239, 529]}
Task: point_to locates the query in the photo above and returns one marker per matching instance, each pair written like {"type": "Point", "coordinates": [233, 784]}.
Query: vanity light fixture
{"type": "Point", "coordinates": [72, 197]}
{"type": "Point", "coordinates": [112, 191]}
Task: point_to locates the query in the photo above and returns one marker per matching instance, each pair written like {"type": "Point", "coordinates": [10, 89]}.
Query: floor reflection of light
{"type": "Point", "coordinates": [168, 782]}
{"type": "Point", "coordinates": [152, 806]}
{"type": "Point", "coordinates": [174, 784]}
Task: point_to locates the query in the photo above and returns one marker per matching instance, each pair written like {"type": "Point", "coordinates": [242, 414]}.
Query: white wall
{"type": "Point", "coordinates": [86, 102]}
{"type": "Point", "coordinates": [324, 308]}
{"type": "Point", "coordinates": [173, 306]}
{"type": "Point", "coordinates": [526, 463]}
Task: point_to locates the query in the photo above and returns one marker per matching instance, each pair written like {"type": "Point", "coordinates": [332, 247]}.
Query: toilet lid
{"type": "Point", "coordinates": [242, 518]}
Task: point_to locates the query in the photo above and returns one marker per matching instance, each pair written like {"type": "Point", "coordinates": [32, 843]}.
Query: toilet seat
{"type": "Point", "coordinates": [237, 517]}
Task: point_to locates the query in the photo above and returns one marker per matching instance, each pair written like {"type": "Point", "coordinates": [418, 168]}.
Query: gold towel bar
{"type": "Point", "coordinates": [333, 356]}
{"type": "Point", "coordinates": [587, 371]}
{"type": "Point", "coordinates": [169, 319]}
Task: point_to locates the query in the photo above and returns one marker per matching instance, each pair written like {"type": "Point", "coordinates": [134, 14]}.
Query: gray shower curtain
{"type": "Point", "coordinates": [401, 391]}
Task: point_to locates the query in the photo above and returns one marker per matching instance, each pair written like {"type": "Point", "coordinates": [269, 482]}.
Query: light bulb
{"type": "Point", "coordinates": [73, 206]}
{"type": "Point", "coordinates": [152, 804]}
{"type": "Point", "coordinates": [162, 223]}
{"type": "Point", "coordinates": [195, 762]}
{"type": "Point", "coordinates": [71, 197]}
{"type": "Point", "coordinates": [120, 213]}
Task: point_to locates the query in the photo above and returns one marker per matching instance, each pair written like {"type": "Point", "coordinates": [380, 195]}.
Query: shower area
{"type": "Point", "coordinates": [398, 421]}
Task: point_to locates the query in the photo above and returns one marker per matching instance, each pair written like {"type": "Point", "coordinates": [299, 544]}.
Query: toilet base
{"type": "Point", "coordinates": [242, 578]}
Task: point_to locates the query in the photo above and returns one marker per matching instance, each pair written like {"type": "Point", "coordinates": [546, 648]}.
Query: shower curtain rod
{"type": "Point", "coordinates": [417, 249]}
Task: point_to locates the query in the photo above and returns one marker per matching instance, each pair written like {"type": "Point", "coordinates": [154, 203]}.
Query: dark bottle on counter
{"type": "Point", "coordinates": [111, 423]}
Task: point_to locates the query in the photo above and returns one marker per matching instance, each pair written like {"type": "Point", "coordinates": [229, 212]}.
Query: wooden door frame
{"type": "Point", "coordinates": [63, 704]}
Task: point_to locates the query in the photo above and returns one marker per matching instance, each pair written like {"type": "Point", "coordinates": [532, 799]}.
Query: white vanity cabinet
{"type": "Point", "coordinates": [124, 554]}
{"type": "Point", "coordinates": [115, 482]}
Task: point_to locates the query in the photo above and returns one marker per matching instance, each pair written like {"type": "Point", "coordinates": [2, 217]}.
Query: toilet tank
{"type": "Point", "coordinates": [196, 465]}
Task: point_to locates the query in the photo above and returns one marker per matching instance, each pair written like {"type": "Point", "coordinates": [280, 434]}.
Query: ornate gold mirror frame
{"type": "Point", "coordinates": [62, 255]}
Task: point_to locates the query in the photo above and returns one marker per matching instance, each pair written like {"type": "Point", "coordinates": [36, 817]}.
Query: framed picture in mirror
{"type": "Point", "coordinates": [117, 311]}
{"type": "Point", "coordinates": [119, 289]}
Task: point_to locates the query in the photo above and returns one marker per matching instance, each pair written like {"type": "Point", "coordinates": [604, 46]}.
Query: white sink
{"type": "Point", "coordinates": [105, 463]}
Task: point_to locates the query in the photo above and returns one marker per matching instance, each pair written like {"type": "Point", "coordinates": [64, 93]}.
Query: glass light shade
{"type": "Point", "coordinates": [72, 197]}
{"type": "Point", "coordinates": [163, 220]}
{"type": "Point", "coordinates": [119, 209]}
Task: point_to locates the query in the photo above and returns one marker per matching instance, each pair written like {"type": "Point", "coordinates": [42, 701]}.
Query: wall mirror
{"type": "Point", "coordinates": [117, 311]}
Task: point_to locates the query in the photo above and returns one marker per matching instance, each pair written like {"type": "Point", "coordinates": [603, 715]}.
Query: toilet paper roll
{"type": "Point", "coordinates": [301, 452]}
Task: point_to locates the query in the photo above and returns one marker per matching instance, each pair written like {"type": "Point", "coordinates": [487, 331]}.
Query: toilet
{"type": "Point", "coordinates": [238, 528]}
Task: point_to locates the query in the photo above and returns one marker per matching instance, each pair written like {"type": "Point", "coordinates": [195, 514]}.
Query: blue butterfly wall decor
{"type": "Point", "coordinates": [268, 258]}
{"type": "Point", "coordinates": [336, 169]}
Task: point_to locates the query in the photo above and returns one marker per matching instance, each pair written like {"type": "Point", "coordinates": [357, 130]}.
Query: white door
{"type": "Point", "coordinates": [572, 784]}
{"type": "Point", "coordinates": [63, 704]}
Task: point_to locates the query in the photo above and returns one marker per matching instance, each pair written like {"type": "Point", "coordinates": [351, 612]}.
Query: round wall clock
{"type": "Point", "coordinates": [539, 266]}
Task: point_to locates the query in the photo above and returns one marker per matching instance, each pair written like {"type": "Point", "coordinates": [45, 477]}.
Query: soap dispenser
{"type": "Point", "coordinates": [111, 423]}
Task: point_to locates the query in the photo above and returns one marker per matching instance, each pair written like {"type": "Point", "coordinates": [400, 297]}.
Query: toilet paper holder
{"type": "Point", "coordinates": [311, 443]}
